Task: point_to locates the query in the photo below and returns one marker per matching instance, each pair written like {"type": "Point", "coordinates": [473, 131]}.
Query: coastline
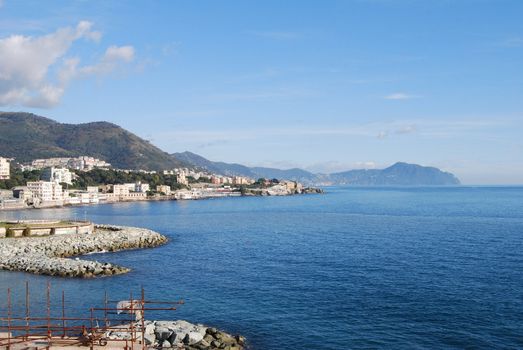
{"type": "Point", "coordinates": [306, 191]}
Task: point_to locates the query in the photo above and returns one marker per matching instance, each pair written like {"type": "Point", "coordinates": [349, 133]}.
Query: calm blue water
{"type": "Point", "coordinates": [355, 268]}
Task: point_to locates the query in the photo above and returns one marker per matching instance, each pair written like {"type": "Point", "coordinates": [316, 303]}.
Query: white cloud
{"type": "Point", "coordinates": [400, 96]}
{"type": "Point", "coordinates": [399, 130]}
{"type": "Point", "coordinates": [112, 57]}
{"type": "Point", "coordinates": [26, 63]}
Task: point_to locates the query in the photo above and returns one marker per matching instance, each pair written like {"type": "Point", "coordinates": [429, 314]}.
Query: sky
{"type": "Point", "coordinates": [322, 85]}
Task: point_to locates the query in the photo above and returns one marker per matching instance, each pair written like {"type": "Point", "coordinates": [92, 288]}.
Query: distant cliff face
{"type": "Point", "coordinates": [399, 174]}
{"type": "Point", "coordinates": [26, 136]}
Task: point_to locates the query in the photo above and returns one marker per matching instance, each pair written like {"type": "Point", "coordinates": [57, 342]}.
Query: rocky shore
{"type": "Point", "coordinates": [49, 255]}
{"type": "Point", "coordinates": [181, 335]}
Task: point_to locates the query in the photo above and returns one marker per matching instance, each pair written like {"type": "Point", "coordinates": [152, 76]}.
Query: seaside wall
{"type": "Point", "coordinates": [47, 230]}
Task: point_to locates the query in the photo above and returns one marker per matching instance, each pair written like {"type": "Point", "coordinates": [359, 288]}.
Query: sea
{"type": "Point", "coordinates": [354, 268]}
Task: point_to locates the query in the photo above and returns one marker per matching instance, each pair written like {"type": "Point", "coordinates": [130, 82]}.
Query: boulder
{"type": "Point", "coordinates": [225, 338]}
{"type": "Point", "coordinates": [212, 331]}
{"type": "Point", "coordinates": [240, 339]}
{"type": "Point", "coordinates": [175, 338]}
{"type": "Point", "coordinates": [202, 344]}
{"type": "Point", "coordinates": [150, 339]}
{"type": "Point", "coordinates": [208, 338]}
{"type": "Point", "coordinates": [194, 337]}
{"type": "Point", "coordinates": [149, 328]}
{"type": "Point", "coordinates": [162, 333]}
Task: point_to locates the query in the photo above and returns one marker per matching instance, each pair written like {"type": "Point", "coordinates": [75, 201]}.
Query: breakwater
{"type": "Point", "coordinates": [50, 255]}
{"type": "Point", "coordinates": [180, 335]}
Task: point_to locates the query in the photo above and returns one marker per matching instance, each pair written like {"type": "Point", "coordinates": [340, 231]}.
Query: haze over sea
{"type": "Point", "coordinates": [354, 268]}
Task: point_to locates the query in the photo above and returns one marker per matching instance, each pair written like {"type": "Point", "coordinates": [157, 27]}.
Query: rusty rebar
{"type": "Point", "coordinates": [22, 327]}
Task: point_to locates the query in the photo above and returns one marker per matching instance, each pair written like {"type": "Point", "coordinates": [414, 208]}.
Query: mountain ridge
{"type": "Point", "coordinates": [26, 136]}
{"type": "Point", "coordinates": [399, 174]}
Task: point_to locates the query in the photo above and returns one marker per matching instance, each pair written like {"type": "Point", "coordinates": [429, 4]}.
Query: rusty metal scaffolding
{"type": "Point", "coordinates": [18, 327]}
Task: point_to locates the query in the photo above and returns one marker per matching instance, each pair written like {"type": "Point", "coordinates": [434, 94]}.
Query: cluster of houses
{"type": "Point", "coordinates": [182, 175]}
{"type": "Point", "coordinates": [84, 163]}
{"type": "Point", "coordinates": [49, 191]}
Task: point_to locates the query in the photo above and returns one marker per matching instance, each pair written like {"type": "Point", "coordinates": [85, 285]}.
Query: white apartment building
{"type": "Point", "coordinates": [46, 191]}
{"type": "Point", "coordinates": [137, 187]}
{"type": "Point", "coordinates": [87, 163]}
{"type": "Point", "coordinates": [131, 186]}
{"type": "Point", "coordinates": [121, 190]}
{"type": "Point", "coordinates": [84, 163]}
{"type": "Point", "coordinates": [4, 168]}
{"type": "Point", "coordinates": [58, 175]}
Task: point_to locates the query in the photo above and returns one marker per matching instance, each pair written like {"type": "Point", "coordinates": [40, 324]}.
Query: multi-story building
{"type": "Point", "coordinates": [131, 186]}
{"type": "Point", "coordinates": [86, 163]}
{"type": "Point", "coordinates": [137, 187]}
{"type": "Point", "coordinates": [83, 163]}
{"type": "Point", "coordinates": [4, 168]}
{"type": "Point", "coordinates": [58, 175]}
{"type": "Point", "coordinates": [121, 190]}
{"type": "Point", "coordinates": [42, 190]}
{"type": "Point", "coordinates": [46, 191]}
{"type": "Point", "coordinates": [49, 162]}
{"type": "Point", "coordinates": [141, 187]}
{"type": "Point", "coordinates": [164, 189]}
{"type": "Point", "coordinates": [92, 189]}
{"type": "Point", "coordinates": [241, 180]}
{"type": "Point", "coordinates": [181, 179]}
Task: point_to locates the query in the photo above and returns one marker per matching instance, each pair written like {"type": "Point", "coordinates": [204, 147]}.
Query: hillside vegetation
{"type": "Point", "coordinates": [26, 136]}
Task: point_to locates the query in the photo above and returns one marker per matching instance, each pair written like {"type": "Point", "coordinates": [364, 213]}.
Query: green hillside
{"type": "Point", "coordinates": [26, 136]}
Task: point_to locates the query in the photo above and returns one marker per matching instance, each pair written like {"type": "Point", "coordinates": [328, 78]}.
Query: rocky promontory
{"type": "Point", "coordinates": [50, 255]}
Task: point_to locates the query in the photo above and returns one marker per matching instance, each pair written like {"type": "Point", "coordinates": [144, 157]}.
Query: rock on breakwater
{"type": "Point", "coordinates": [181, 335]}
{"type": "Point", "coordinates": [49, 255]}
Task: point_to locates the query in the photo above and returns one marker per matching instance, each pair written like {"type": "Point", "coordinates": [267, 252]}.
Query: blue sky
{"type": "Point", "coordinates": [323, 85]}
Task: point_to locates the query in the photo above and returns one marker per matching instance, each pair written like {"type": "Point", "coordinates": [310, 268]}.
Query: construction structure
{"type": "Point", "coordinates": [52, 328]}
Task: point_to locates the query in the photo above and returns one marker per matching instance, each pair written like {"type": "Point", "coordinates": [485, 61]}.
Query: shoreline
{"type": "Point", "coordinates": [161, 199]}
{"type": "Point", "coordinates": [53, 255]}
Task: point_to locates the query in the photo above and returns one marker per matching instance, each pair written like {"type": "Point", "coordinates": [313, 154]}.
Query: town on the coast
{"type": "Point", "coordinates": [56, 182]}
